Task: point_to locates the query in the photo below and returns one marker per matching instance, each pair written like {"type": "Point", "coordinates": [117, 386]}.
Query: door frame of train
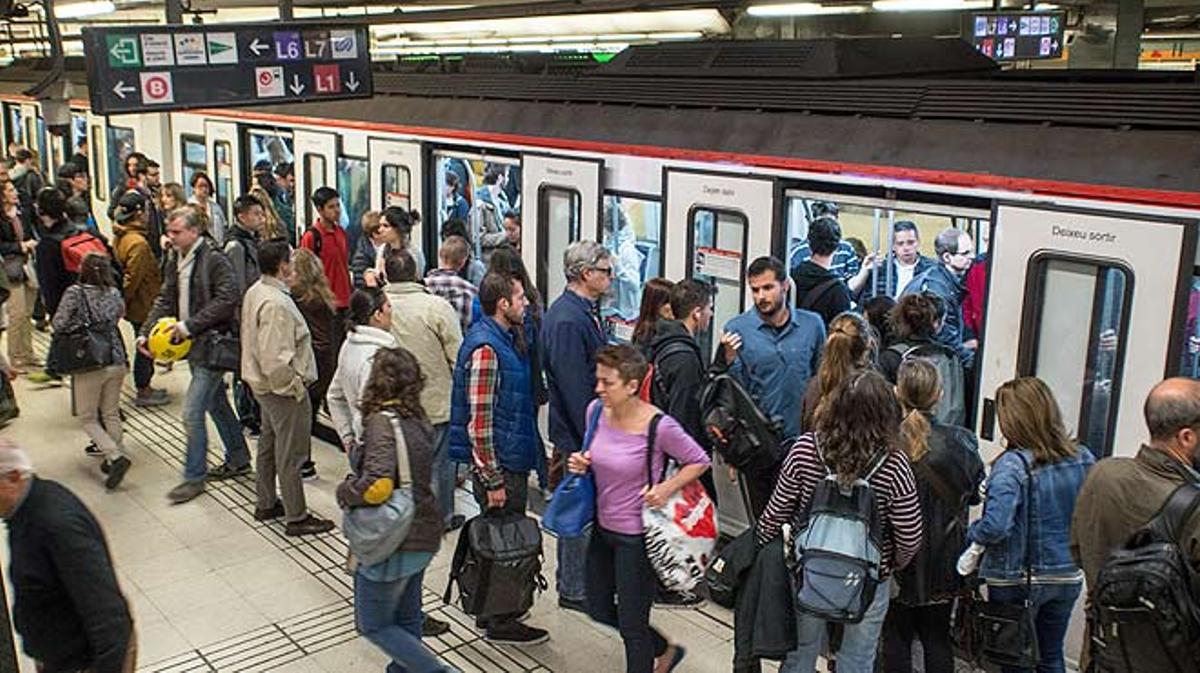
{"type": "Point", "coordinates": [535, 236]}
{"type": "Point", "coordinates": [228, 132]}
{"type": "Point", "coordinates": [410, 154]}
{"type": "Point", "coordinates": [989, 376]}
{"type": "Point", "coordinates": [307, 143]}
{"type": "Point", "coordinates": [662, 223]}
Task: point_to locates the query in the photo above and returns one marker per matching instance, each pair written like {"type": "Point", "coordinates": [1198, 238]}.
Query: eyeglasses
{"type": "Point", "coordinates": [606, 270]}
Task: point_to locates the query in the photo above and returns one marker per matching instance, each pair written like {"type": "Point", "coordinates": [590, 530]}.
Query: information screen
{"type": "Point", "coordinates": [1016, 36]}
{"type": "Point", "coordinates": [154, 68]}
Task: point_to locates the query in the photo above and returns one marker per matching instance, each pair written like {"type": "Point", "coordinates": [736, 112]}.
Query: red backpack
{"type": "Point", "coordinates": [76, 246]}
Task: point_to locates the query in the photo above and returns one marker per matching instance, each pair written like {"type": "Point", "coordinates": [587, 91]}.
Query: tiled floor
{"type": "Point", "coordinates": [212, 589]}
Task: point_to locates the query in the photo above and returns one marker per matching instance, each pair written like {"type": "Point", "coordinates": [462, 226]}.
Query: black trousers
{"type": "Point", "coordinates": [930, 623]}
{"type": "Point", "coordinates": [622, 599]}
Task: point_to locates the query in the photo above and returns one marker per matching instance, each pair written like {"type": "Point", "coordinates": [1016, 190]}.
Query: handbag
{"type": "Point", "coordinates": [680, 535]}
{"type": "Point", "coordinates": [374, 533]}
{"type": "Point", "coordinates": [80, 350]}
{"type": "Point", "coordinates": [573, 508]}
{"type": "Point", "coordinates": [14, 268]}
{"type": "Point", "coordinates": [218, 350]}
{"type": "Point", "coordinates": [8, 401]}
{"type": "Point", "coordinates": [1005, 632]}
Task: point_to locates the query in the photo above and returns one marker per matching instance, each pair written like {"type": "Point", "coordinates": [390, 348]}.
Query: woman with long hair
{"type": "Point", "coordinates": [273, 228]}
{"type": "Point", "coordinates": [310, 291]}
{"type": "Point", "coordinates": [387, 595]}
{"type": "Point", "coordinates": [1025, 531]}
{"type": "Point", "coordinates": [856, 436]}
{"type": "Point", "coordinates": [847, 349]}
{"type": "Point", "coordinates": [204, 198]}
{"type": "Point", "coordinates": [172, 196]}
{"type": "Point", "coordinates": [620, 580]}
{"type": "Point", "coordinates": [946, 462]}
{"type": "Point", "coordinates": [369, 330]}
{"type": "Point", "coordinates": [656, 305]}
{"type": "Point", "coordinates": [94, 303]}
{"type": "Point", "coordinates": [914, 321]}
{"type": "Point", "coordinates": [16, 249]}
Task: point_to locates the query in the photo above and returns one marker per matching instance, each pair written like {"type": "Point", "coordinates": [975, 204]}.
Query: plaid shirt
{"type": "Point", "coordinates": [482, 381]}
{"type": "Point", "coordinates": [454, 289]}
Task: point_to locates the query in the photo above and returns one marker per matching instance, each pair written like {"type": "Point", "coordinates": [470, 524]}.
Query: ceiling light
{"type": "Point", "coordinates": [927, 5]}
{"type": "Point", "coordinates": [803, 9]}
{"type": "Point", "coordinates": [79, 10]}
{"type": "Point", "coordinates": [707, 21]}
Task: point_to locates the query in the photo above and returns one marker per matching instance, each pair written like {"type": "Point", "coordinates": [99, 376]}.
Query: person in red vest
{"type": "Point", "coordinates": [327, 240]}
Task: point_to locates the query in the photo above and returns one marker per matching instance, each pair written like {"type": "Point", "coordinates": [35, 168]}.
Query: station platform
{"type": "Point", "coordinates": [212, 589]}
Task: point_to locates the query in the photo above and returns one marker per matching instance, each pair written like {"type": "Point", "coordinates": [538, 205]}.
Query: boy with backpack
{"type": "Point", "coordinates": [1136, 534]}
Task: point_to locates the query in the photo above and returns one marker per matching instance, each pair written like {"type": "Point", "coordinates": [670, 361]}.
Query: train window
{"type": "Point", "coordinates": [396, 186]}
{"type": "Point", "coordinates": [314, 178]}
{"type": "Point", "coordinates": [120, 146]}
{"type": "Point", "coordinates": [14, 127]}
{"type": "Point", "coordinates": [99, 177]}
{"type": "Point", "coordinates": [558, 227]}
{"type": "Point", "coordinates": [223, 158]}
{"type": "Point", "coordinates": [465, 182]}
{"type": "Point", "coordinates": [718, 256]}
{"type": "Point", "coordinates": [1190, 362]}
{"type": "Point", "coordinates": [632, 232]}
{"type": "Point", "coordinates": [194, 156]}
{"type": "Point", "coordinates": [78, 132]}
{"type": "Point", "coordinates": [43, 149]}
{"type": "Point", "coordinates": [353, 184]}
{"type": "Point", "coordinates": [1085, 302]}
{"type": "Point", "coordinates": [272, 147]}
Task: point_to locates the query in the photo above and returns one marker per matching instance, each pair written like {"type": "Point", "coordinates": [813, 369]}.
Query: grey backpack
{"type": "Point", "coordinates": [951, 409]}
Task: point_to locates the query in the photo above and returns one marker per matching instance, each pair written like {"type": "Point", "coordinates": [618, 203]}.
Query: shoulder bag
{"type": "Point", "coordinates": [374, 533]}
{"type": "Point", "coordinates": [573, 507]}
{"type": "Point", "coordinates": [82, 349]}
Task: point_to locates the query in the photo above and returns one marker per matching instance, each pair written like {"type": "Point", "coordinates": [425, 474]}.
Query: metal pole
{"type": "Point", "coordinates": [285, 10]}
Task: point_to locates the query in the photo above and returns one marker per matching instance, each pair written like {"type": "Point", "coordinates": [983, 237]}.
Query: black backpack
{"type": "Point", "coordinates": [659, 396]}
{"type": "Point", "coordinates": [497, 565]}
{"type": "Point", "coordinates": [739, 430]}
{"type": "Point", "coordinates": [1143, 612]}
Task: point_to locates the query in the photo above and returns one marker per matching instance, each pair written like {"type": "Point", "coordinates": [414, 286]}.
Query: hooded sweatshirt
{"type": "Point", "coordinates": [830, 301]}
{"type": "Point", "coordinates": [353, 370]}
{"type": "Point", "coordinates": [679, 368]}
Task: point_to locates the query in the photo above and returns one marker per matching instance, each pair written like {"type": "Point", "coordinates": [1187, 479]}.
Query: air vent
{"type": "Point", "coordinates": [785, 55]}
{"type": "Point", "coordinates": [670, 57]}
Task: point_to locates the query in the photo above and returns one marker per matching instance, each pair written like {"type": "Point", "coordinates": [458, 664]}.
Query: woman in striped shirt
{"type": "Point", "coordinates": [860, 419]}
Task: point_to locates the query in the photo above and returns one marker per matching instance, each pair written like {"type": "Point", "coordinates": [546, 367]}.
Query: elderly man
{"type": "Point", "coordinates": [67, 607]}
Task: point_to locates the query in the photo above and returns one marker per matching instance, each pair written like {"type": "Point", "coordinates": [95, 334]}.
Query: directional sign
{"type": "Point", "coordinates": [155, 68]}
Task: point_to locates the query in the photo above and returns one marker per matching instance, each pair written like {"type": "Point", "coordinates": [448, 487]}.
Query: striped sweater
{"type": "Point", "coordinates": [895, 496]}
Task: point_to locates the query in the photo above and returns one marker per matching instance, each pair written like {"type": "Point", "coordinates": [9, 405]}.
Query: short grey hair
{"type": "Point", "coordinates": [190, 216]}
{"type": "Point", "coordinates": [581, 256]}
{"type": "Point", "coordinates": [947, 241]}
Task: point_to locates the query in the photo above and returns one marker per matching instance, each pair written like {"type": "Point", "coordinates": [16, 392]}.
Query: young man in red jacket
{"type": "Point", "coordinates": [327, 240]}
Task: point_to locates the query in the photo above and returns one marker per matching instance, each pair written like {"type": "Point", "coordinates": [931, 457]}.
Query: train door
{"type": "Point", "coordinates": [222, 161]}
{"type": "Point", "coordinates": [1105, 285]}
{"type": "Point", "coordinates": [35, 135]}
{"type": "Point", "coordinates": [632, 230]}
{"type": "Point", "coordinates": [726, 222]}
{"type": "Point", "coordinates": [563, 207]}
{"type": "Point", "coordinates": [395, 167]}
{"type": "Point", "coordinates": [316, 157]}
{"type": "Point", "coordinates": [100, 186]}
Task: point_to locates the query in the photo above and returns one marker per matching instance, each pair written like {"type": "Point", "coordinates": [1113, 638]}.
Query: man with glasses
{"type": "Point", "coordinates": [955, 253]}
{"type": "Point", "coordinates": [571, 335]}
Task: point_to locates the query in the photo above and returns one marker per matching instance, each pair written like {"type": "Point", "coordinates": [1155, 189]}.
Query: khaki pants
{"type": "Point", "coordinates": [20, 331]}
{"type": "Point", "coordinates": [98, 402]}
{"type": "Point", "coordinates": [282, 449]}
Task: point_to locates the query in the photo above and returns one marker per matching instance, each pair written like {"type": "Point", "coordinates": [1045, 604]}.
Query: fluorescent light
{"type": "Point", "coordinates": [927, 5]}
{"type": "Point", "coordinates": [803, 9]}
{"type": "Point", "coordinates": [707, 21]}
{"type": "Point", "coordinates": [79, 10]}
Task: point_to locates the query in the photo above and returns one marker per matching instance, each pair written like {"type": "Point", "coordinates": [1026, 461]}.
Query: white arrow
{"type": "Point", "coordinates": [296, 87]}
{"type": "Point", "coordinates": [352, 84]}
{"type": "Point", "coordinates": [258, 47]}
{"type": "Point", "coordinates": [121, 89]}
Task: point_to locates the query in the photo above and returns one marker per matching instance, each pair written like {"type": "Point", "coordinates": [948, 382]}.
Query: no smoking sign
{"type": "Point", "coordinates": [157, 88]}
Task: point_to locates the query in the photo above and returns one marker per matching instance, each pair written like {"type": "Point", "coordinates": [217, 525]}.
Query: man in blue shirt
{"type": "Point", "coordinates": [571, 335]}
{"type": "Point", "coordinates": [772, 350]}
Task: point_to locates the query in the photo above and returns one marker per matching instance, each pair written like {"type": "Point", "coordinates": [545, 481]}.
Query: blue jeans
{"type": "Point", "coordinates": [859, 641]}
{"type": "Point", "coordinates": [1052, 604]}
{"type": "Point", "coordinates": [389, 615]}
{"type": "Point", "coordinates": [443, 472]}
{"type": "Point", "coordinates": [206, 394]}
{"type": "Point", "coordinates": [620, 592]}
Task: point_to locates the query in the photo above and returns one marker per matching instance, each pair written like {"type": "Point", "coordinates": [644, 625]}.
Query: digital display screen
{"type": "Point", "coordinates": [1016, 36]}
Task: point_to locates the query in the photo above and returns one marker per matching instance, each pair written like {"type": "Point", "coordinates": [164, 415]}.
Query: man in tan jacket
{"type": "Point", "coordinates": [278, 364]}
{"type": "Point", "coordinates": [428, 327]}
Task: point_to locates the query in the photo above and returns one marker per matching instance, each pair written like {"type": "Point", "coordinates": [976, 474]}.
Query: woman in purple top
{"type": "Point", "coordinates": [617, 457]}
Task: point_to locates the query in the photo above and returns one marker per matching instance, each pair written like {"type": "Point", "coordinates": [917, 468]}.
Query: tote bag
{"type": "Point", "coordinates": [374, 533]}
{"type": "Point", "coordinates": [573, 507]}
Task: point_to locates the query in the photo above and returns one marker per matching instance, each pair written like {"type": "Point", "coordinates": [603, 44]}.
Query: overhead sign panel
{"type": "Point", "coordinates": [1016, 36]}
{"type": "Point", "coordinates": [155, 68]}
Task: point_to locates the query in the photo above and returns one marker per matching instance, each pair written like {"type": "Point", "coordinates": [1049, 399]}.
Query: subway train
{"type": "Point", "coordinates": [692, 159]}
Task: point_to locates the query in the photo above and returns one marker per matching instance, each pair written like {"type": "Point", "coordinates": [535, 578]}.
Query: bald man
{"type": "Point", "coordinates": [1122, 494]}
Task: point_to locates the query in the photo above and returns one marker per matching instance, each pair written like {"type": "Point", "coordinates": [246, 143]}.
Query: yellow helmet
{"type": "Point", "coordinates": [160, 344]}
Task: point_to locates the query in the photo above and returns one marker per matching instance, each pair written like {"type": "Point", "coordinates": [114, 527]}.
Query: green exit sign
{"type": "Point", "coordinates": [123, 51]}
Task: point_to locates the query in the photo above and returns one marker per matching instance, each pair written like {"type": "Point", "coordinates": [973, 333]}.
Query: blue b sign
{"type": "Point", "coordinates": [288, 46]}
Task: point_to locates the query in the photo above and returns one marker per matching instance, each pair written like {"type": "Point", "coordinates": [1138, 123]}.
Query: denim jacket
{"type": "Point", "coordinates": [1002, 528]}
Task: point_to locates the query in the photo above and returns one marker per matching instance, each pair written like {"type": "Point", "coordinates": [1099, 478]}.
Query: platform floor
{"type": "Point", "coordinates": [213, 590]}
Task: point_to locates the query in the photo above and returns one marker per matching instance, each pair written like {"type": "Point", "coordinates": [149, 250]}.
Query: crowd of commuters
{"type": "Point", "coordinates": [422, 370]}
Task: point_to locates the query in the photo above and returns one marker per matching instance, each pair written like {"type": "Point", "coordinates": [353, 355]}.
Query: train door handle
{"type": "Point", "coordinates": [987, 425]}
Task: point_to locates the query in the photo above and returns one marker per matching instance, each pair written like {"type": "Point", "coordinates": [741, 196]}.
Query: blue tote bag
{"type": "Point", "coordinates": [573, 507]}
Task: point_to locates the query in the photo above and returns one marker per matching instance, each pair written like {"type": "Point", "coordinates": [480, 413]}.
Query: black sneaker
{"type": "Point", "coordinates": [515, 633]}
{"type": "Point", "coordinates": [116, 471]}
{"type": "Point", "coordinates": [309, 525]}
{"type": "Point", "coordinates": [227, 471]}
{"type": "Point", "coordinates": [273, 512]}
{"type": "Point", "coordinates": [92, 451]}
{"type": "Point", "coordinates": [675, 600]}
{"type": "Point", "coordinates": [572, 604]}
{"type": "Point", "coordinates": [432, 628]}
{"type": "Point", "coordinates": [308, 470]}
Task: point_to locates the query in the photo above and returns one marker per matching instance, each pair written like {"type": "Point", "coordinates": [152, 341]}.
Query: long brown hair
{"type": "Point", "coordinates": [918, 388]}
{"type": "Point", "coordinates": [310, 282]}
{"type": "Point", "coordinates": [1031, 419]}
{"type": "Point", "coordinates": [655, 294]}
{"type": "Point", "coordinates": [847, 348]}
{"type": "Point", "coordinates": [95, 269]}
{"type": "Point", "coordinates": [395, 384]}
{"type": "Point", "coordinates": [916, 316]}
{"type": "Point", "coordinates": [856, 420]}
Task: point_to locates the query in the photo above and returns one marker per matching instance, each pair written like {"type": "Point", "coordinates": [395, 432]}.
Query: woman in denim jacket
{"type": "Point", "coordinates": [1038, 446]}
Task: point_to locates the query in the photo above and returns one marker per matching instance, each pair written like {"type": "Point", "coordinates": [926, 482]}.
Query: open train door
{"type": "Point", "coordinates": [223, 161]}
{"type": "Point", "coordinates": [316, 165]}
{"type": "Point", "coordinates": [1086, 305]}
{"type": "Point", "coordinates": [561, 199]}
{"type": "Point", "coordinates": [726, 220]}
